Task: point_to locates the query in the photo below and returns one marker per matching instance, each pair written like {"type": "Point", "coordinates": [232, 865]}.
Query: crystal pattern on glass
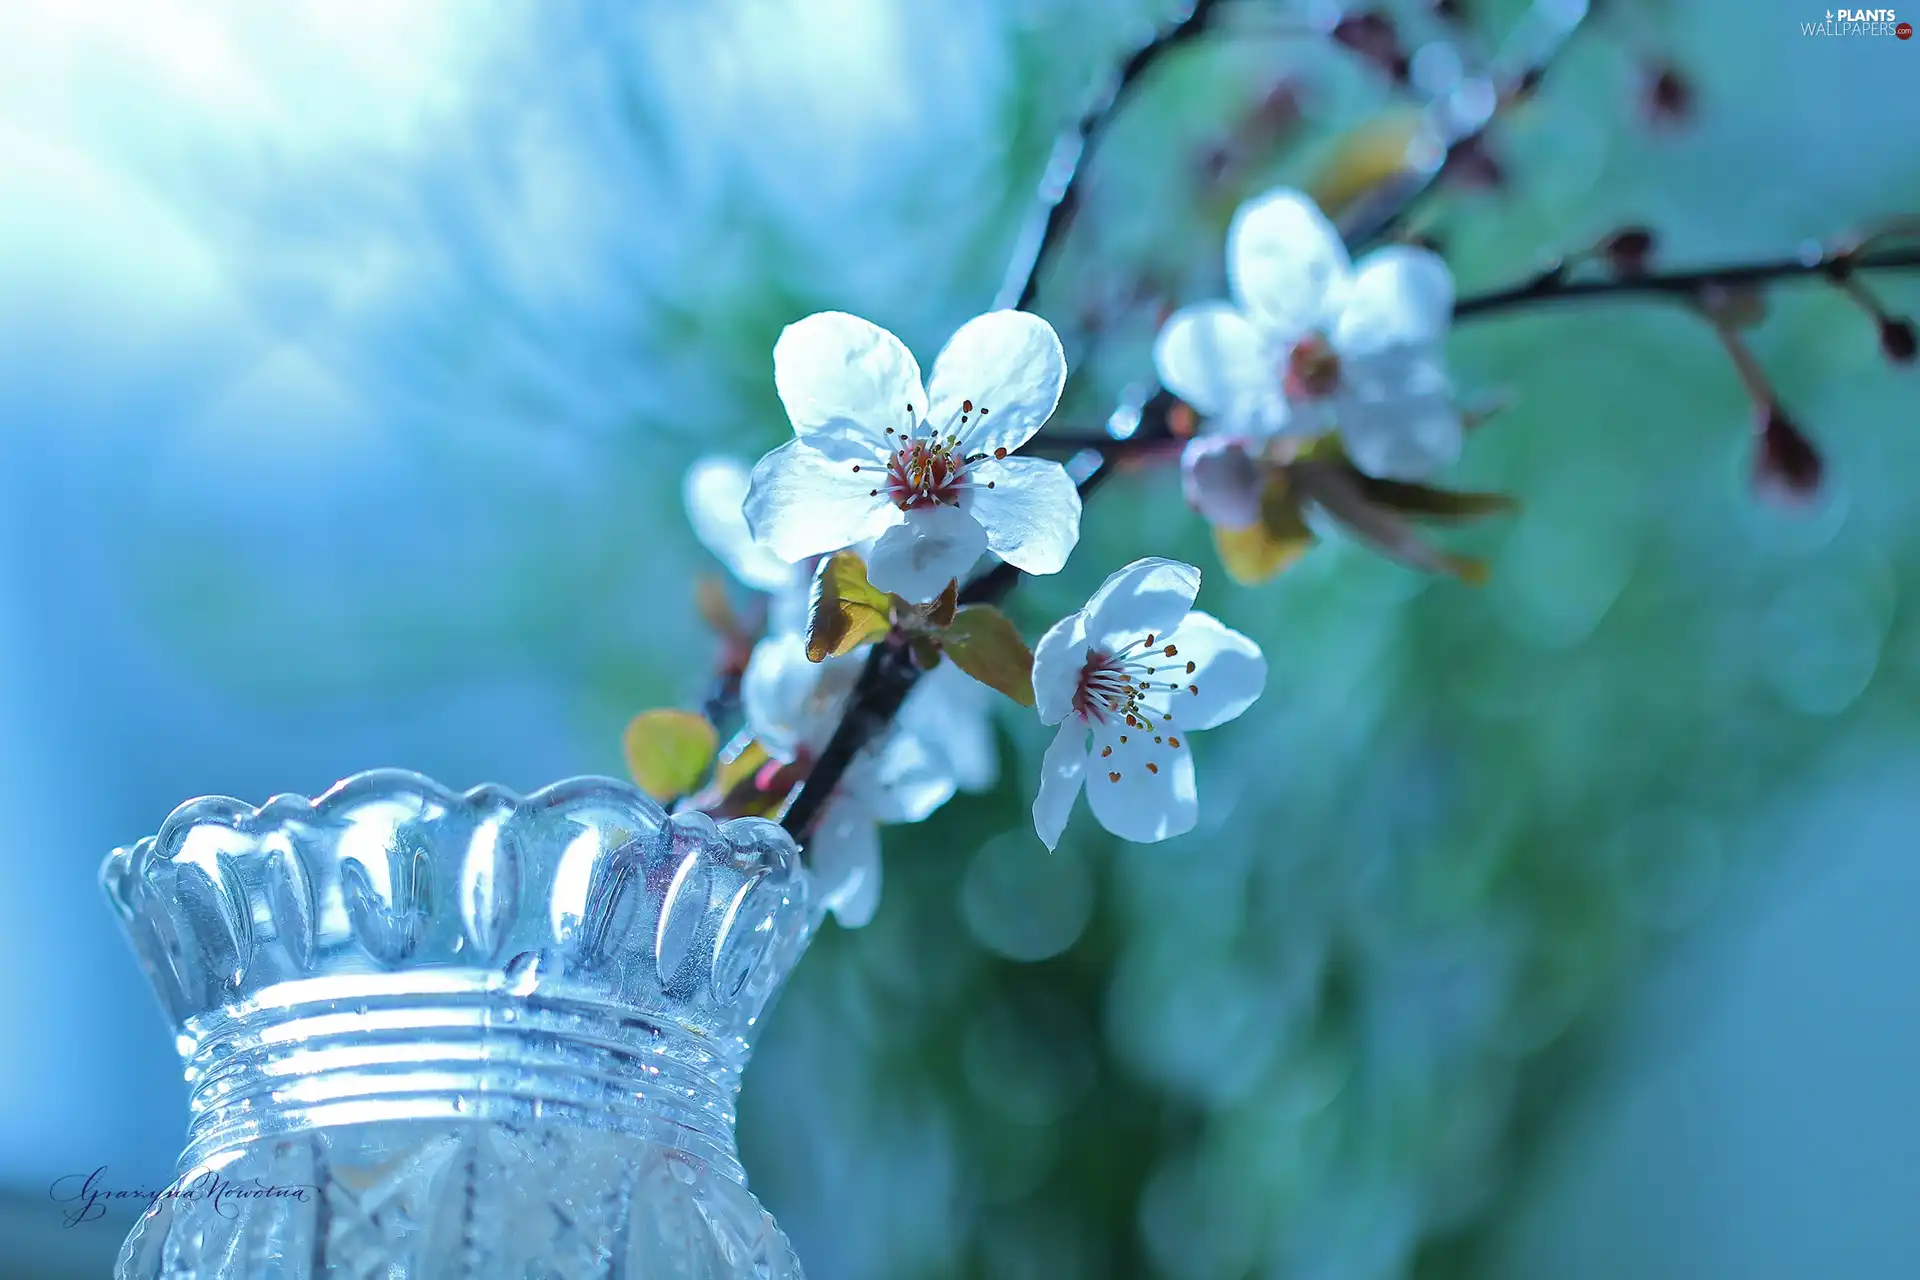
{"type": "Point", "coordinates": [433, 1036]}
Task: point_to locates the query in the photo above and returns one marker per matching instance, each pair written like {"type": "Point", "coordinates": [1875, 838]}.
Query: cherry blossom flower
{"type": "Point", "coordinates": [942, 741]}
{"type": "Point", "coordinates": [1313, 343]}
{"type": "Point", "coordinates": [1128, 679]}
{"type": "Point", "coordinates": [714, 492]}
{"type": "Point", "coordinates": [929, 474]}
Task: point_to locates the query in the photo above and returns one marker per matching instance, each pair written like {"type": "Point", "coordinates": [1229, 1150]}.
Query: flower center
{"type": "Point", "coordinates": [926, 473]}
{"type": "Point", "coordinates": [1132, 685]}
{"type": "Point", "coordinates": [929, 470]}
{"type": "Point", "coordinates": [1313, 370]}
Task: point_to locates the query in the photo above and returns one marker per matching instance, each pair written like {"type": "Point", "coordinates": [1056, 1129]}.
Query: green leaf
{"type": "Point", "coordinates": [668, 751]}
{"type": "Point", "coordinates": [984, 644]}
{"type": "Point", "coordinates": [1339, 492]}
{"type": "Point", "coordinates": [1431, 503]}
{"type": "Point", "coordinates": [845, 610]}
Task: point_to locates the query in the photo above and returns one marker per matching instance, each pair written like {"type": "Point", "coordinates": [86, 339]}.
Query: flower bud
{"type": "Point", "coordinates": [1627, 251]}
{"type": "Point", "coordinates": [1666, 95]}
{"type": "Point", "coordinates": [1897, 339]}
{"type": "Point", "coordinates": [1372, 34]}
{"type": "Point", "coordinates": [1786, 464]}
{"type": "Point", "coordinates": [1222, 481]}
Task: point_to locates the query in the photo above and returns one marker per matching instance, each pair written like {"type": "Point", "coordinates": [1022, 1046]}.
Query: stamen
{"type": "Point", "coordinates": [1173, 742]}
{"type": "Point", "coordinates": [1105, 752]}
{"type": "Point", "coordinates": [1193, 688]}
{"type": "Point", "coordinates": [1171, 650]}
{"type": "Point", "coordinates": [1192, 667]}
{"type": "Point", "coordinates": [1113, 777]}
{"type": "Point", "coordinates": [1152, 767]}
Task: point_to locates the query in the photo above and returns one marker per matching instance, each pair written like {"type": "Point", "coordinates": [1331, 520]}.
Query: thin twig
{"type": "Point", "coordinates": [1066, 168]}
{"type": "Point", "coordinates": [1550, 286]}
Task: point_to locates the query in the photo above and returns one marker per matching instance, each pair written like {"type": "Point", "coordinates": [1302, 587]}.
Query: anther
{"type": "Point", "coordinates": [1170, 650]}
{"type": "Point", "coordinates": [1152, 767]}
{"type": "Point", "coordinates": [1113, 777]}
{"type": "Point", "coordinates": [997, 453]}
{"type": "Point", "coordinates": [1173, 742]}
{"type": "Point", "coordinates": [1192, 667]}
{"type": "Point", "coordinates": [1105, 752]}
{"type": "Point", "coordinates": [1123, 737]}
{"type": "Point", "coordinates": [966, 406]}
{"type": "Point", "coordinates": [1193, 688]}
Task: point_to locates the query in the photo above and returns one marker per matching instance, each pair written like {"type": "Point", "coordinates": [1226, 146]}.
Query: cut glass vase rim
{"type": "Point", "coordinates": [392, 948]}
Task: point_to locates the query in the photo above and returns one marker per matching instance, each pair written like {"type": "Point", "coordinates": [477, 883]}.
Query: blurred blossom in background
{"type": "Point", "coordinates": [351, 356]}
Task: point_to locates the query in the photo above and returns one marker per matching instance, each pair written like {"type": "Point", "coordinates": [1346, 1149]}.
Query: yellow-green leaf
{"type": "Point", "coordinates": [845, 610]}
{"type": "Point", "coordinates": [1375, 153]}
{"type": "Point", "coordinates": [984, 644]}
{"type": "Point", "coordinates": [1255, 554]}
{"type": "Point", "coordinates": [668, 751]}
{"type": "Point", "coordinates": [740, 766]}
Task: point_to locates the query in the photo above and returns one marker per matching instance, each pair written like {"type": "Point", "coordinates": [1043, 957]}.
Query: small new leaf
{"type": "Point", "coordinates": [939, 614]}
{"type": "Point", "coordinates": [668, 751]}
{"type": "Point", "coordinates": [1366, 159]}
{"type": "Point", "coordinates": [844, 610]}
{"type": "Point", "coordinates": [1340, 492]}
{"type": "Point", "coordinates": [1261, 551]}
{"type": "Point", "coordinates": [1433, 504]}
{"type": "Point", "coordinates": [984, 644]}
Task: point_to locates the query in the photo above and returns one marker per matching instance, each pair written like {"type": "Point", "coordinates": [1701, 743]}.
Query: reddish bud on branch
{"type": "Point", "coordinates": [1897, 339]}
{"type": "Point", "coordinates": [1786, 463]}
{"type": "Point", "coordinates": [1627, 252]}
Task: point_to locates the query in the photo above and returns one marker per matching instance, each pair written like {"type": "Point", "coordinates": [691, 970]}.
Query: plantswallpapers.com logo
{"type": "Point", "coordinates": [1859, 22]}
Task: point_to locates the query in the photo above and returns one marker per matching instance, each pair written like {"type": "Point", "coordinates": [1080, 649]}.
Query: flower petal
{"type": "Point", "coordinates": [1212, 357]}
{"type": "Point", "coordinates": [1222, 481]}
{"type": "Point", "coordinates": [952, 713]}
{"type": "Point", "coordinates": [1286, 264]}
{"type": "Point", "coordinates": [1397, 418]}
{"type": "Point", "coordinates": [1032, 513]}
{"type": "Point", "coordinates": [1010, 365]}
{"type": "Point", "coordinates": [843, 860]}
{"type": "Point", "coordinates": [908, 782]}
{"type": "Point", "coordinates": [1228, 670]}
{"type": "Point", "coordinates": [1136, 802]}
{"type": "Point", "coordinates": [790, 702]}
{"type": "Point", "coordinates": [803, 502]}
{"type": "Point", "coordinates": [837, 372]}
{"type": "Point", "coordinates": [1148, 596]}
{"type": "Point", "coordinates": [932, 546]}
{"type": "Point", "coordinates": [1062, 770]}
{"type": "Point", "coordinates": [715, 493]}
{"type": "Point", "coordinates": [1058, 660]}
{"type": "Point", "coordinates": [1401, 296]}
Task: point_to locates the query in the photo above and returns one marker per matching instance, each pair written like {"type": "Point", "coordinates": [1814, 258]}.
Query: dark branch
{"type": "Point", "coordinates": [1552, 285]}
{"type": "Point", "coordinates": [1059, 198]}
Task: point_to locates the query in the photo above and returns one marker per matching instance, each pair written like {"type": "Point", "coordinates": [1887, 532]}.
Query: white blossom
{"type": "Point", "coordinates": [928, 473]}
{"type": "Point", "coordinates": [941, 741]}
{"type": "Point", "coordinates": [1129, 679]}
{"type": "Point", "coordinates": [1311, 342]}
{"type": "Point", "coordinates": [715, 493]}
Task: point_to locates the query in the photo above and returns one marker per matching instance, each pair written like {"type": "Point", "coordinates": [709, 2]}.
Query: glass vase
{"type": "Point", "coordinates": [432, 1035]}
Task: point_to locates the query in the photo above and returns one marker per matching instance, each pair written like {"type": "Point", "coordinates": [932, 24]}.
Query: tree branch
{"type": "Point", "coordinates": [1552, 286]}
{"type": "Point", "coordinates": [1060, 184]}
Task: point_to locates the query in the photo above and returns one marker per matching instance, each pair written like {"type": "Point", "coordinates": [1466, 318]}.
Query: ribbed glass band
{"type": "Point", "coordinates": [448, 1044]}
